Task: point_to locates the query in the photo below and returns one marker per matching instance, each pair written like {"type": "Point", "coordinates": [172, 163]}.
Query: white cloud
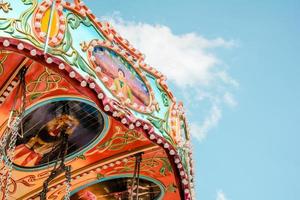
{"type": "Point", "coordinates": [221, 195]}
{"type": "Point", "coordinates": [183, 58]}
{"type": "Point", "coordinates": [230, 100]}
{"type": "Point", "coordinates": [188, 62]}
{"type": "Point", "coordinates": [200, 131]}
{"type": "Point", "coordinates": [223, 75]}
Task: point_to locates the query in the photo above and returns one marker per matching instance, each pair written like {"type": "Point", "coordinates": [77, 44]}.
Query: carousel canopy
{"type": "Point", "coordinates": [81, 115]}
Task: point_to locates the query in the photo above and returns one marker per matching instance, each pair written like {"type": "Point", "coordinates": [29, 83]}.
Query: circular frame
{"type": "Point", "coordinates": [89, 146]}
{"type": "Point", "coordinates": [122, 54]}
{"type": "Point", "coordinates": [160, 185]}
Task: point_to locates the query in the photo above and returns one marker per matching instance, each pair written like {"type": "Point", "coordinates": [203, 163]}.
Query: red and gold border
{"type": "Point", "coordinates": [37, 23]}
{"type": "Point", "coordinates": [128, 58]}
{"type": "Point", "coordinates": [104, 103]}
{"type": "Point", "coordinates": [112, 35]}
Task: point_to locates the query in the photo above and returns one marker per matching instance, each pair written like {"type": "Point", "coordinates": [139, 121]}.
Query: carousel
{"type": "Point", "coordinates": [82, 117]}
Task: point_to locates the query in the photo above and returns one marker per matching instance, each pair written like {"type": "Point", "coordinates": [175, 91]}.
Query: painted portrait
{"type": "Point", "coordinates": [118, 189]}
{"type": "Point", "coordinates": [122, 79]}
{"type": "Point", "coordinates": [43, 128]}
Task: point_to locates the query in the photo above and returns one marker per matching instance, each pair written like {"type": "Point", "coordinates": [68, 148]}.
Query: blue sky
{"type": "Point", "coordinates": [247, 108]}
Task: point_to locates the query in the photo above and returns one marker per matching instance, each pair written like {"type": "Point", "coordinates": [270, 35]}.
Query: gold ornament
{"type": "Point", "coordinates": [5, 6]}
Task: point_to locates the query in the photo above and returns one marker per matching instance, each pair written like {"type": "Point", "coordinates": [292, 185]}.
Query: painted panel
{"type": "Point", "coordinates": [121, 78]}
{"type": "Point", "coordinates": [43, 128]}
{"type": "Point", "coordinates": [118, 188]}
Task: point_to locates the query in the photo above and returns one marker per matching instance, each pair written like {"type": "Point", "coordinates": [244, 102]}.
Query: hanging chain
{"type": "Point", "coordinates": [61, 168]}
{"type": "Point", "coordinates": [3, 165]}
{"type": "Point", "coordinates": [136, 176]}
{"type": "Point", "coordinates": [68, 183]}
{"type": "Point", "coordinates": [10, 156]}
{"type": "Point", "coordinates": [8, 141]}
{"type": "Point", "coordinates": [2, 149]}
{"type": "Point", "coordinates": [139, 160]}
{"type": "Point", "coordinates": [7, 165]}
{"type": "Point", "coordinates": [58, 170]}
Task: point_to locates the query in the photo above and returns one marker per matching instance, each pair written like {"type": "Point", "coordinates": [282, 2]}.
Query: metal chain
{"type": "Point", "coordinates": [68, 183]}
{"type": "Point", "coordinates": [136, 176]}
{"type": "Point", "coordinates": [8, 141]}
{"type": "Point", "coordinates": [58, 170]}
{"type": "Point", "coordinates": [2, 157]}
{"type": "Point", "coordinates": [10, 152]}
{"type": "Point", "coordinates": [3, 146]}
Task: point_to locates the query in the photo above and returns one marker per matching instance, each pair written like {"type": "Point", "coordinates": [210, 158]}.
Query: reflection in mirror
{"type": "Point", "coordinates": [44, 126]}
{"type": "Point", "coordinates": [118, 189]}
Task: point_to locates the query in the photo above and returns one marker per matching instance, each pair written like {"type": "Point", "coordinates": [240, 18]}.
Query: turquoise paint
{"type": "Point", "coordinates": [82, 34]}
{"type": "Point", "coordinates": [158, 98]}
{"type": "Point", "coordinates": [18, 7]}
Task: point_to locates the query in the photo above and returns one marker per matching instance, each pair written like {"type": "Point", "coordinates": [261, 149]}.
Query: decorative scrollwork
{"type": "Point", "coordinates": [27, 181]}
{"type": "Point", "coordinates": [3, 57]}
{"type": "Point", "coordinates": [148, 165]}
{"type": "Point", "coordinates": [119, 140]}
{"type": "Point", "coordinates": [5, 6]}
{"type": "Point", "coordinates": [46, 82]}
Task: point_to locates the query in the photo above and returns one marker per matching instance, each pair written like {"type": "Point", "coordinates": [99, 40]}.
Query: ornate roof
{"type": "Point", "coordinates": [72, 57]}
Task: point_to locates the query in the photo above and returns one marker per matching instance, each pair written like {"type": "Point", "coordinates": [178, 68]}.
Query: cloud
{"type": "Point", "coordinates": [224, 77]}
{"type": "Point", "coordinates": [221, 195]}
{"type": "Point", "coordinates": [230, 100]}
{"type": "Point", "coordinates": [200, 131]}
{"type": "Point", "coordinates": [190, 64]}
{"type": "Point", "coordinates": [183, 58]}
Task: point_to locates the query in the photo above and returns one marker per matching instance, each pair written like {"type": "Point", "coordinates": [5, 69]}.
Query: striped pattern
{"type": "Point", "coordinates": [37, 23]}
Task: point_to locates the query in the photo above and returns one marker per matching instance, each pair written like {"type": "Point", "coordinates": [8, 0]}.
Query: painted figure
{"type": "Point", "coordinates": [44, 141]}
{"type": "Point", "coordinates": [120, 77]}
{"type": "Point", "coordinates": [121, 87]}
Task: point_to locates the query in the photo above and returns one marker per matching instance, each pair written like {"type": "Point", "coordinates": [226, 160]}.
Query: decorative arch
{"type": "Point", "coordinates": [90, 88]}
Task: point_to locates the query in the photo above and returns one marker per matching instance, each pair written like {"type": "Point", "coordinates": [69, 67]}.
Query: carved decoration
{"type": "Point", "coordinates": [5, 6]}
